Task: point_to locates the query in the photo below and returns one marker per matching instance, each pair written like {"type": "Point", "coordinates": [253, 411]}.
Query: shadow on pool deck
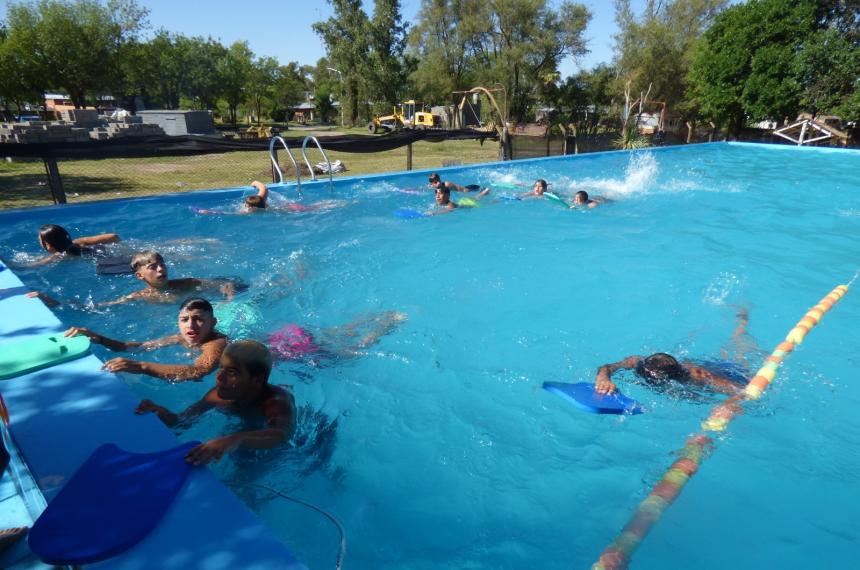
{"type": "Point", "coordinates": [21, 189]}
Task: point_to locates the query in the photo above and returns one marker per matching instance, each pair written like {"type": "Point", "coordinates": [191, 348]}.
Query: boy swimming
{"type": "Point", "coordinates": [443, 199]}
{"type": "Point", "coordinates": [537, 191]}
{"type": "Point", "coordinates": [196, 331]}
{"type": "Point", "coordinates": [149, 267]}
{"type": "Point", "coordinates": [259, 202]}
{"type": "Point", "coordinates": [242, 388]}
{"type": "Point", "coordinates": [435, 181]}
{"type": "Point", "coordinates": [660, 369]}
{"type": "Point", "coordinates": [582, 199]}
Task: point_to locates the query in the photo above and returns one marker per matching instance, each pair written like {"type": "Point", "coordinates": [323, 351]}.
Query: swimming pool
{"type": "Point", "coordinates": [437, 448]}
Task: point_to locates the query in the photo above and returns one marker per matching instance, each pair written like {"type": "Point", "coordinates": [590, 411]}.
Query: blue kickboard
{"type": "Point", "coordinates": [113, 501]}
{"type": "Point", "coordinates": [583, 396]}
{"type": "Point", "coordinates": [407, 214]}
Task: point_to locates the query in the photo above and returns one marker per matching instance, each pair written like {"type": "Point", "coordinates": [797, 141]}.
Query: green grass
{"type": "Point", "coordinates": [24, 184]}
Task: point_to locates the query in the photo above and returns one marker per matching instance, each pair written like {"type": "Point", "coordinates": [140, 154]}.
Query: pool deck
{"type": "Point", "coordinates": [61, 414]}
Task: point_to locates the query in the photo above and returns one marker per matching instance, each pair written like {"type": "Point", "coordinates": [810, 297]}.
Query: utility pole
{"type": "Point", "coordinates": [340, 82]}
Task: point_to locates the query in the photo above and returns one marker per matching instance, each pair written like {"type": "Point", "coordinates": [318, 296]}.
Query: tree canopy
{"type": "Point", "coordinates": [770, 59]}
{"type": "Point", "coordinates": [733, 64]}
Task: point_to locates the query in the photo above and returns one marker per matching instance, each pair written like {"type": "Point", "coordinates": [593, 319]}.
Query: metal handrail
{"type": "Point", "coordinates": [308, 162]}
{"type": "Point", "coordinates": [273, 155]}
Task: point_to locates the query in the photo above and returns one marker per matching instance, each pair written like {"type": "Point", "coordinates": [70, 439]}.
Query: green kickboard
{"type": "Point", "coordinates": [555, 198]}
{"type": "Point", "coordinates": [24, 356]}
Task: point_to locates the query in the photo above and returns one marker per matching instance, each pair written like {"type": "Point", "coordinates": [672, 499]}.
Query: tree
{"type": "Point", "coordinates": [77, 44]}
{"type": "Point", "coordinates": [345, 37]}
{"type": "Point", "coordinates": [158, 69]}
{"type": "Point", "coordinates": [235, 69]}
{"type": "Point", "coordinates": [745, 65]}
{"type": "Point", "coordinates": [205, 84]}
{"type": "Point", "coordinates": [262, 77]}
{"type": "Point", "coordinates": [440, 43]}
{"type": "Point", "coordinates": [657, 48]}
{"type": "Point", "coordinates": [23, 78]}
{"type": "Point", "coordinates": [388, 68]}
{"type": "Point", "coordinates": [289, 89]}
{"type": "Point", "coordinates": [518, 43]}
{"type": "Point", "coordinates": [828, 63]}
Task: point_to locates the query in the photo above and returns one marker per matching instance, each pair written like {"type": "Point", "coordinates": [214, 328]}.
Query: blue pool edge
{"type": "Point", "coordinates": [61, 414]}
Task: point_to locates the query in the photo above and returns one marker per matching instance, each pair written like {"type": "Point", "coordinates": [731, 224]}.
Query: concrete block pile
{"type": "Point", "coordinates": [42, 132]}
{"type": "Point", "coordinates": [78, 125]}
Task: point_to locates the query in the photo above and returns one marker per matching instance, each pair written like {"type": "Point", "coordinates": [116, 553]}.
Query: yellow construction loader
{"type": "Point", "coordinates": [405, 116]}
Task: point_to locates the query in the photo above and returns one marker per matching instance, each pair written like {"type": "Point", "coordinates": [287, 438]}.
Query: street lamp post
{"type": "Point", "coordinates": [340, 82]}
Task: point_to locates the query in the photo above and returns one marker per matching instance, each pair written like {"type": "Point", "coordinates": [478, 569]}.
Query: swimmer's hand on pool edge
{"type": "Point", "coordinates": [96, 338]}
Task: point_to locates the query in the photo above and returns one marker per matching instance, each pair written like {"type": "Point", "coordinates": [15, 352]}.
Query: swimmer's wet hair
{"type": "Point", "coordinates": [583, 195]}
{"type": "Point", "coordinates": [252, 355]}
{"type": "Point", "coordinates": [196, 304]}
{"type": "Point", "coordinates": [660, 367]}
{"type": "Point", "coordinates": [542, 183]}
{"type": "Point", "coordinates": [434, 177]}
{"type": "Point", "coordinates": [255, 201]}
{"type": "Point", "coordinates": [59, 239]}
{"type": "Point", "coordinates": [56, 236]}
{"type": "Point", "coordinates": [142, 258]}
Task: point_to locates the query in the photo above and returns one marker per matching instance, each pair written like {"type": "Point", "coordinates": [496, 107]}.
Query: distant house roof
{"type": "Point", "coordinates": [303, 106]}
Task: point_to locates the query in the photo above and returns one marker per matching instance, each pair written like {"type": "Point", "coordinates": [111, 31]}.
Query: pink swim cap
{"type": "Point", "coordinates": [292, 342]}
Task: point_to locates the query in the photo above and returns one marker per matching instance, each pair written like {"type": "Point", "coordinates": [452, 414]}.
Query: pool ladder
{"type": "Point", "coordinates": [279, 175]}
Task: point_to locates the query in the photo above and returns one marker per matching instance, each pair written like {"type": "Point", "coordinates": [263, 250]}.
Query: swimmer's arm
{"type": "Point", "coordinates": [708, 379]}
{"type": "Point", "coordinates": [603, 382]}
{"type": "Point", "coordinates": [96, 239]}
{"type": "Point", "coordinates": [456, 187]}
{"type": "Point", "coordinates": [226, 287]}
{"type": "Point", "coordinates": [262, 189]}
{"type": "Point", "coordinates": [203, 365]}
{"type": "Point", "coordinates": [109, 343]}
{"type": "Point", "coordinates": [280, 425]}
{"type": "Point", "coordinates": [120, 300]}
{"type": "Point", "coordinates": [160, 342]}
{"type": "Point", "coordinates": [52, 258]}
{"type": "Point", "coordinates": [482, 193]}
{"type": "Point", "coordinates": [169, 418]}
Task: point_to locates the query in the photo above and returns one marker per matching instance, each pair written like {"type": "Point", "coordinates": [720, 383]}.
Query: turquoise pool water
{"type": "Point", "coordinates": [437, 447]}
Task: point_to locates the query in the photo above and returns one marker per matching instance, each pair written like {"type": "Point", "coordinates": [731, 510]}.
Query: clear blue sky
{"type": "Point", "coordinates": [282, 29]}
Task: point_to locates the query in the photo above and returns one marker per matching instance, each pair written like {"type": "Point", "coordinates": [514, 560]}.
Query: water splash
{"type": "Point", "coordinates": [719, 289]}
{"type": "Point", "coordinates": [639, 178]}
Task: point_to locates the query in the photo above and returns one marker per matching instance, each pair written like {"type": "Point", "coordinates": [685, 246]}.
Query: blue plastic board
{"type": "Point", "coordinates": [113, 501]}
{"type": "Point", "coordinates": [583, 396]}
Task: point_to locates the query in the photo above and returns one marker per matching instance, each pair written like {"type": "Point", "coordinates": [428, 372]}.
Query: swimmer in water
{"type": "Point", "coordinates": [540, 186]}
{"type": "Point", "coordinates": [197, 332]}
{"type": "Point", "coordinates": [241, 388]}
{"type": "Point", "coordinates": [294, 342]}
{"type": "Point", "coordinates": [435, 181]}
{"type": "Point", "coordinates": [149, 267]}
{"type": "Point", "coordinates": [445, 204]}
{"type": "Point", "coordinates": [582, 200]}
{"type": "Point", "coordinates": [259, 202]}
{"type": "Point", "coordinates": [59, 244]}
{"type": "Point", "coordinates": [661, 369]}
